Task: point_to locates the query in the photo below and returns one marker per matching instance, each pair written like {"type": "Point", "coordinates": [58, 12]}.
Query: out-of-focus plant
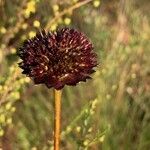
{"type": "Point", "coordinates": [25, 15]}
{"type": "Point", "coordinates": [120, 32]}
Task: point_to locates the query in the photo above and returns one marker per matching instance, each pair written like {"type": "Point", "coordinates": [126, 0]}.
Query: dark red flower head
{"type": "Point", "coordinates": [58, 58]}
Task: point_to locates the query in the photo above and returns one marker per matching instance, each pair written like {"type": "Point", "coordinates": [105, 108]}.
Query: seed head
{"type": "Point", "coordinates": [56, 59]}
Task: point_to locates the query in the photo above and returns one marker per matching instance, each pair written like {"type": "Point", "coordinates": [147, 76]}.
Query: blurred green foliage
{"type": "Point", "coordinates": [110, 112]}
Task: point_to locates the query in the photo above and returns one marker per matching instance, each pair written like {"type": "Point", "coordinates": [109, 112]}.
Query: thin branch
{"type": "Point", "coordinates": [12, 30]}
{"type": "Point", "coordinates": [65, 11]}
{"type": "Point", "coordinates": [4, 95]}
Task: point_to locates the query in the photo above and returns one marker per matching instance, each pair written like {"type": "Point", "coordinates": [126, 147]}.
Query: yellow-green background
{"type": "Point", "coordinates": [109, 112]}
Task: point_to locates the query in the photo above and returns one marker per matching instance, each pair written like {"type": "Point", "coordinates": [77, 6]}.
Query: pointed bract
{"type": "Point", "coordinates": [56, 59]}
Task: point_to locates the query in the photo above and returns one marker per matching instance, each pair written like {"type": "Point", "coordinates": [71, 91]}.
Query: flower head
{"type": "Point", "coordinates": [60, 58]}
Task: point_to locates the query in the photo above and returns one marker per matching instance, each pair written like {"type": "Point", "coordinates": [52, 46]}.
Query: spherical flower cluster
{"type": "Point", "coordinates": [56, 59]}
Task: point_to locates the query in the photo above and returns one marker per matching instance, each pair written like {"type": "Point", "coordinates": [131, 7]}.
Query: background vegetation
{"type": "Point", "coordinates": [109, 112]}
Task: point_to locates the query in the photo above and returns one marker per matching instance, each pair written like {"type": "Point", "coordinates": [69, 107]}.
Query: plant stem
{"type": "Point", "coordinates": [57, 95]}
